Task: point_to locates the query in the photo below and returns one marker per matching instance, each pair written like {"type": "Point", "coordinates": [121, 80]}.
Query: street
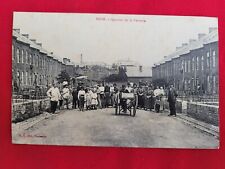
{"type": "Point", "coordinates": [103, 128]}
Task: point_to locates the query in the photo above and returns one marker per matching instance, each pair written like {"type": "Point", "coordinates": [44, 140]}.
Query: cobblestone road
{"type": "Point", "coordinates": [103, 128]}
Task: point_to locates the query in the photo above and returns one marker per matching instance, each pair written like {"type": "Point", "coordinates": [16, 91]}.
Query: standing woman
{"type": "Point", "coordinates": [66, 94]}
{"type": "Point", "coordinates": [141, 97]}
{"type": "Point", "coordinates": [152, 99]}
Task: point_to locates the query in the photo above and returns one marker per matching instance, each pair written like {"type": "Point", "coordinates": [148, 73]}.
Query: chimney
{"type": "Point", "coordinates": [192, 40]}
{"type": "Point", "coordinates": [26, 35]}
{"type": "Point", "coordinates": [184, 44]}
{"type": "Point", "coordinates": [33, 40]}
{"type": "Point", "coordinates": [17, 30]}
{"type": "Point", "coordinates": [200, 35]}
{"type": "Point", "coordinates": [211, 29]}
{"type": "Point", "coordinates": [39, 44]}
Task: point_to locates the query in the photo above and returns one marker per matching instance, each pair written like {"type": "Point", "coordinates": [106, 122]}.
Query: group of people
{"type": "Point", "coordinates": [102, 96]}
{"type": "Point", "coordinates": [58, 98]}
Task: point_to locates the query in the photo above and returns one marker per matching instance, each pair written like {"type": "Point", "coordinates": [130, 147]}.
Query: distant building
{"type": "Point", "coordinates": [193, 66]}
{"type": "Point", "coordinates": [135, 72]}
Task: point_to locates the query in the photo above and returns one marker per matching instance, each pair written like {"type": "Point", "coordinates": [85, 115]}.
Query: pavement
{"type": "Point", "coordinates": [103, 128]}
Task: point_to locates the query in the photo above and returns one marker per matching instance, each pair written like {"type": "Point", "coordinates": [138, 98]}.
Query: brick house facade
{"type": "Point", "coordinates": [31, 64]}
{"type": "Point", "coordinates": [192, 67]}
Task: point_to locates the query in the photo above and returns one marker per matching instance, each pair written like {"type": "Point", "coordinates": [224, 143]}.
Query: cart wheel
{"type": "Point", "coordinates": [134, 111]}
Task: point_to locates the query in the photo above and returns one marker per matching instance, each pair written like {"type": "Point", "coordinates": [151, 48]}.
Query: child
{"type": "Point", "coordinates": [88, 98]}
{"type": "Point", "coordinates": [94, 99]}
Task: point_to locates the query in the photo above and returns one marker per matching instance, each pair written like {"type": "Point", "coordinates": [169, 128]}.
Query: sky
{"type": "Point", "coordinates": [107, 38]}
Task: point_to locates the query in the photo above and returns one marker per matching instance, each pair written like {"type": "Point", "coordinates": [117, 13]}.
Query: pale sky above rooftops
{"type": "Point", "coordinates": [145, 39]}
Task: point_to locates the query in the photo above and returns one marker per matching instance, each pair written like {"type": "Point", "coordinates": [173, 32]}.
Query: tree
{"type": "Point", "coordinates": [120, 77]}
{"type": "Point", "coordinates": [63, 76]}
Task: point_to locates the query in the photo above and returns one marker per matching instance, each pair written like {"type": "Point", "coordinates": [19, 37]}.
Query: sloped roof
{"type": "Point", "coordinates": [34, 45]}
{"type": "Point", "coordinates": [209, 38]}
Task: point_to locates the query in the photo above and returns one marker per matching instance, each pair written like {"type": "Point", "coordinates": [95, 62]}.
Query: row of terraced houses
{"type": "Point", "coordinates": [31, 64]}
{"type": "Point", "coordinates": [193, 67]}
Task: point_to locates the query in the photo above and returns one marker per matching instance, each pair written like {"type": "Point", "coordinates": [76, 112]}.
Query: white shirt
{"type": "Point", "coordinates": [102, 89]}
{"type": "Point", "coordinates": [66, 93]}
{"type": "Point", "coordinates": [81, 92]}
{"type": "Point", "coordinates": [54, 93]}
{"type": "Point", "coordinates": [129, 89]}
{"type": "Point", "coordinates": [157, 92]}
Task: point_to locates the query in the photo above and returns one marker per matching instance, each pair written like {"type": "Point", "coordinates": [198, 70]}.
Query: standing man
{"type": "Point", "coordinates": [172, 95]}
{"type": "Point", "coordinates": [75, 98]}
{"type": "Point", "coordinates": [54, 95]}
{"type": "Point", "coordinates": [129, 88]}
{"type": "Point", "coordinates": [107, 96]}
{"type": "Point", "coordinates": [123, 101]}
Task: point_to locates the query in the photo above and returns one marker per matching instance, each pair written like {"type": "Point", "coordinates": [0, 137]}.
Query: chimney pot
{"type": "Point", "coordinates": [17, 30]}
{"type": "Point", "coordinates": [26, 35]}
{"type": "Point", "coordinates": [33, 40]}
{"type": "Point", "coordinates": [39, 44]}
{"type": "Point", "coordinates": [184, 44]}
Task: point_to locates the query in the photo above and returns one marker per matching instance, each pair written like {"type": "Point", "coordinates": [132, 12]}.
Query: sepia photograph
{"type": "Point", "coordinates": [115, 80]}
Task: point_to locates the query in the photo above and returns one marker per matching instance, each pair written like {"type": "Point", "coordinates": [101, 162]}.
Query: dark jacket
{"type": "Point", "coordinates": [172, 95]}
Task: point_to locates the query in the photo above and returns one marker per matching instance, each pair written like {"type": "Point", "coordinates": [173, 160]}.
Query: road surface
{"type": "Point", "coordinates": [103, 128]}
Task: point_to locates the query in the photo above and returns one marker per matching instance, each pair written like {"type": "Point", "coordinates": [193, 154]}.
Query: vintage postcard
{"type": "Point", "coordinates": [113, 80]}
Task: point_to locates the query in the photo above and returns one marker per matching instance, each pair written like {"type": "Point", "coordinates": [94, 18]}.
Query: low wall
{"type": "Point", "coordinates": [31, 108]}
{"type": "Point", "coordinates": [180, 107]}
{"type": "Point", "coordinates": [204, 112]}
{"type": "Point", "coordinates": [208, 113]}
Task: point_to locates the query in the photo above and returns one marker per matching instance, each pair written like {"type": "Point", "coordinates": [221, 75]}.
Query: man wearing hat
{"type": "Point", "coordinates": [54, 95]}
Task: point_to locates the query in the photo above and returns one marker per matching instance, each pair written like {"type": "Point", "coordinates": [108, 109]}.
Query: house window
{"type": "Point", "coordinates": [40, 80]}
{"type": "Point", "coordinates": [208, 83]}
{"type": "Point", "coordinates": [197, 64]}
{"type": "Point", "coordinates": [182, 65]}
{"type": "Point", "coordinates": [22, 56]}
{"type": "Point", "coordinates": [31, 59]}
{"type": "Point", "coordinates": [18, 55]}
{"type": "Point", "coordinates": [189, 66]}
{"type": "Point", "coordinates": [26, 78]}
{"type": "Point", "coordinates": [208, 59]}
{"type": "Point", "coordinates": [22, 78]}
{"type": "Point", "coordinates": [193, 64]}
{"type": "Point", "coordinates": [27, 59]}
{"type": "Point", "coordinates": [202, 63]}
{"type": "Point", "coordinates": [214, 59]}
{"type": "Point", "coordinates": [214, 84]}
{"type": "Point", "coordinates": [12, 52]}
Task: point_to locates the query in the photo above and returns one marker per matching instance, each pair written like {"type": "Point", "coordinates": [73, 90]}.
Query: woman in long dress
{"type": "Point", "coordinates": [88, 98]}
